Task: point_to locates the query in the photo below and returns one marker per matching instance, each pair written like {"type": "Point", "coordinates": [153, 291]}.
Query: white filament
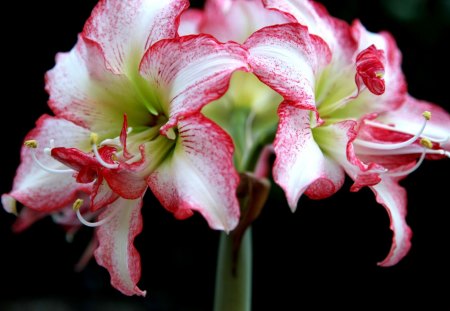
{"type": "Point", "coordinates": [392, 146]}
{"type": "Point", "coordinates": [48, 169]}
{"type": "Point", "coordinates": [95, 224]}
{"type": "Point", "coordinates": [412, 169]}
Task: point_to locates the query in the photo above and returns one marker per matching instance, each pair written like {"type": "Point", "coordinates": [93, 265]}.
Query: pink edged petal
{"type": "Point", "coordinates": [393, 198]}
{"type": "Point", "coordinates": [236, 20]}
{"type": "Point", "coordinates": [300, 164]}
{"type": "Point", "coordinates": [85, 92]}
{"type": "Point", "coordinates": [200, 175]}
{"type": "Point", "coordinates": [190, 22]}
{"type": "Point", "coordinates": [125, 29]}
{"type": "Point", "coordinates": [287, 58]}
{"type": "Point", "coordinates": [128, 180]}
{"type": "Point", "coordinates": [124, 182]}
{"type": "Point", "coordinates": [39, 189]}
{"type": "Point", "coordinates": [408, 119]}
{"type": "Point", "coordinates": [336, 33]}
{"type": "Point", "coordinates": [190, 72]}
{"type": "Point", "coordinates": [116, 251]}
{"type": "Point", "coordinates": [102, 195]}
{"type": "Point", "coordinates": [26, 218]}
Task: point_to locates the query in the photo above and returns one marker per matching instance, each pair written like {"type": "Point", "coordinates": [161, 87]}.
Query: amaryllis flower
{"type": "Point", "coordinates": [127, 101]}
{"type": "Point", "coordinates": [345, 110]}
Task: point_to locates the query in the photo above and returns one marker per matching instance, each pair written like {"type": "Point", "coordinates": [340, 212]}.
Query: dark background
{"type": "Point", "coordinates": [325, 253]}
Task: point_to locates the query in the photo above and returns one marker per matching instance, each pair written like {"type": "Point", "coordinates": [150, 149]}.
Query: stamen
{"type": "Point", "coordinates": [392, 128]}
{"type": "Point", "coordinates": [76, 206]}
{"type": "Point", "coordinates": [412, 169]}
{"type": "Point", "coordinates": [93, 141]}
{"type": "Point", "coordinates": [427, 145]}
{"type": "Point", "coordinates": [32, 144]}
{"type": "Point", "coordinates": [393, 146]}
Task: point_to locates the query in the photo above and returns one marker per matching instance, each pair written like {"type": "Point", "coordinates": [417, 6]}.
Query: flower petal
{"type": "Point", "coordinates": [300, 164]}
{"type": "Point", "coordinates": [237, 20]}
{"type": "Point", "coordinates": [287, 58]}
{"type": "Point", "coordinates": [190, 72]}
{"type": "Point", "coordinates": [336, 33]}
{"type": "Point", "coordinates": [393, 198]}
{"type": "Point", "coordinates": [85, 92]}
{"type": "Point", "coordinates": [200, 175]}
{"type": "Point", "coordinates": [102, 194]}
{"type": "Point", "coordinates": [116, 251]}
{"type": "Point", "coordinates": [190, 22]}
{"type": "Point", "coordinates": [126, 29]}
{"type": "Point", "coordinates": [26, 218]}
{"type": "Point", "coordinates": [39, 189]}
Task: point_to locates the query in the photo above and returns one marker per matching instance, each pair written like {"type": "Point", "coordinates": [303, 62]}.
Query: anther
{"type": "Point", "coordinates": [33, 144]}
{"type": "Point", "coordinates": [427, 115]}
{"type": "Point", "coordinates": [425, 142]}
{"type": "Point", "coordinates": [77, 204]}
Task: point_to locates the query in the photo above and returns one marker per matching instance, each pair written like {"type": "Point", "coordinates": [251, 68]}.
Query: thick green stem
{"type": "Point", "coordinates": [234, 277]}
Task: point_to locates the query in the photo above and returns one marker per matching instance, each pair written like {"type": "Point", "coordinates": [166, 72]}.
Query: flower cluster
{"type": "Point", "coordinates": [181, 101]}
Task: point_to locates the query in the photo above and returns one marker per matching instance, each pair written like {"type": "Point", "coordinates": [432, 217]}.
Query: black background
{"type": "Point", "coordinates": [325, 253]}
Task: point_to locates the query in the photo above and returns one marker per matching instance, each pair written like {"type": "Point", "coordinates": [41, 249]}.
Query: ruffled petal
{"type": "Point", "coordinates": [336, 33]}
{"type": "Point", "coordinates": [125, 29]}
{"type": "Point", "coordinates": [26, 218]}
{"type": "Point", "coordinates": [116, 251]}
{"type": "Point", "coordinates": [85, 92]}
{"type": "Point", "coordinates": [102, 195]}
{"type": "Point", "coordinates": [287, 58]}
{"type": "Point", "coordinates": [393, 198]}
{"type": "Point", "coordinates": [237, 20]}
{"type": "Point", "coordinates": [190, 72]}
{"type": "Point", "coordinates": [300, 164]}
{"type": "Point", "coordinates": [38, 189]}
{"type": "Point", "coordinates": [200, 175]}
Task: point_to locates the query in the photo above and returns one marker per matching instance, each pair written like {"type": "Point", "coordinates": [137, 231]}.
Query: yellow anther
{"type": "Point", "coordinates": [77, 204]}
{"type": "Point", "coordinates": [426, 143]}
{"type": "Point", "coordinates": [379, 74]}
{"type": "Point", "coordinates": [94, 138]}
{"type": "Point", "coordinates": [427, 115]}
{"type": "Point", "coordinates": [31, 143]}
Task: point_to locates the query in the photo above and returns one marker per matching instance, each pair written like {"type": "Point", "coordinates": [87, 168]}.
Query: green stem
{"type": "Point", "coordinates": [234, 283]}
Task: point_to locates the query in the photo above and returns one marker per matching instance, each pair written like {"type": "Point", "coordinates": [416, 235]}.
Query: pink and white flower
{"type": "Point", "coordinates": [127, 101]}
{"type": "Point", "coordinates": [345, 111]}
